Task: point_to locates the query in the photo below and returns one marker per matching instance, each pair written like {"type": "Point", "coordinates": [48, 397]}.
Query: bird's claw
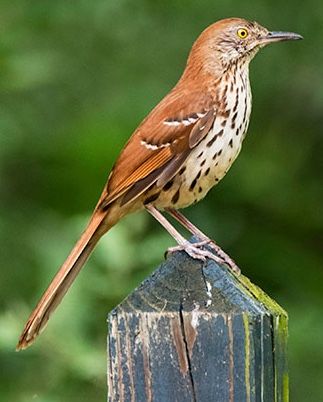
{"type": "Point", "coordinates": [224, 256]}
{"type": "Point", "coordinates": [196, 251]}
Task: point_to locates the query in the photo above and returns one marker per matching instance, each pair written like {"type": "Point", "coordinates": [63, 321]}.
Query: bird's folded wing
{"type": "Point", "coordinates": [160, 145]}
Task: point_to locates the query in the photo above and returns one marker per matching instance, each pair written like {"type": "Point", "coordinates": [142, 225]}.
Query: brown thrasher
{"type": "Point", "coordinates": [182, 148]}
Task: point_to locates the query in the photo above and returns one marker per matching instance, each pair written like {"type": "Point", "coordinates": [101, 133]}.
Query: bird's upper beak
{"type": "Point", "coordinates": [277, 36]}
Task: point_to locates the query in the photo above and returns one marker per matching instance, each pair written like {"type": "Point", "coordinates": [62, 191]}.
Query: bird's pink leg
{"type": "Point", "coordinates": [197, 232]}
{"type": "Point", "coordinates": [194, 250]}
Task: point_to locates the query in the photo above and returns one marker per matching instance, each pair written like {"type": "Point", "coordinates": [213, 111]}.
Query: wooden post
{"type": "Point", "coordinates": [196, 332]}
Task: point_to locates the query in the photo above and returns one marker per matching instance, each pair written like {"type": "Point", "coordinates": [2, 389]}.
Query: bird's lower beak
{"type": "Point", "coordinates": [277, 36]}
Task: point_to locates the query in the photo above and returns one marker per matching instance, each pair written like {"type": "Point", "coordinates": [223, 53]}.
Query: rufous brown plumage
{"type": "Point", "coordinates": [181, 149]}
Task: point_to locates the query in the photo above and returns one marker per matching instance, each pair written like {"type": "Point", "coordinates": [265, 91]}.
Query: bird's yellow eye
{"type": "Point", "coordinates": [242, 33]}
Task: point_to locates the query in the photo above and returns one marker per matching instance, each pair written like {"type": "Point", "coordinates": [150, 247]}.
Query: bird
{"type": "Point", "coordinates": [182, 149]}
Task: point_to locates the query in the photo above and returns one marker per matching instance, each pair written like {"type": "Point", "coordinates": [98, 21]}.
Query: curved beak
{"type": "Point", "coordinates": [277, 36]}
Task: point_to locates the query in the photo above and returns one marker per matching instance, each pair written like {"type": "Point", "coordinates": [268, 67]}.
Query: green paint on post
{"type": "Point", "coordinates": [262, 297]}
{"type": "Point", "coordinates": [281, 337]}
{"type": "Point", "coordinates": [247, 354]}
{"type": "Point", "coordinates": [286, 387]}
{"type": "Point", "coordinates": [279, 334]}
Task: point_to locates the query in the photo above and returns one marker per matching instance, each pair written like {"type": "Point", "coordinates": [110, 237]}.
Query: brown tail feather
{"type": "Point", "coordinates": [61, 282]}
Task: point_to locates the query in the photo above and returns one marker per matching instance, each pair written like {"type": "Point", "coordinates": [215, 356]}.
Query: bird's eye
{"type": "Point", "coordinates": [242, 33]}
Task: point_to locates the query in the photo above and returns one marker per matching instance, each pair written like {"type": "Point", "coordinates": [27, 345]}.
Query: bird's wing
{"type": "Point", "coordinates": [160, 145]}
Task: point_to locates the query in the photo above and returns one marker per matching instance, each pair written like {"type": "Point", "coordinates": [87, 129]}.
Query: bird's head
{"type": "Point", "coordinates": [232, 39]}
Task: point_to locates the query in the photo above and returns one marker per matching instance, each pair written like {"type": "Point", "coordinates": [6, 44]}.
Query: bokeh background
{"type": "Point", "coordinates": [76, 77]}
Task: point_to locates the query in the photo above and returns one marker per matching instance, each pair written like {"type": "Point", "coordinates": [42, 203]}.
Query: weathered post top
{"type": "Point", "coordinates": [193, 331]}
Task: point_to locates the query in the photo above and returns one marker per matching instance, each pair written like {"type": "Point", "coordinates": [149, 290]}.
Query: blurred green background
{"type": "Point", "coordinates": [76, 78]}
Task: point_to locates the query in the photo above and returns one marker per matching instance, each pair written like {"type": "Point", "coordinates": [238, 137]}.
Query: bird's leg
{"type": "Point", "coordinates": [198, 233]}
{"type": "Point", "coordinates": [194, 250]}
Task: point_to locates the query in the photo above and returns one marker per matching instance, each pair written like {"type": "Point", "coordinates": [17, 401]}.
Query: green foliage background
{"type": "Point", "coordinates": [76, 77]}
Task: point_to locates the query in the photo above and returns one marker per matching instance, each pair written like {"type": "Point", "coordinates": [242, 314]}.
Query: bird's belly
{"type": "Point", "coordinates": [205, 167]}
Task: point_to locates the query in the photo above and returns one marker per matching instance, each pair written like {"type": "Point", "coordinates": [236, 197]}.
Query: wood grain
{"type": "Point", "coordinates": [193, 331]}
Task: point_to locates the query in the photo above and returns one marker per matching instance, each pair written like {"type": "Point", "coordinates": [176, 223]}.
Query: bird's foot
{"type": "Point", "coordinates": [224, 256]}
{"type": "Point", "coordinates": [196, 251]}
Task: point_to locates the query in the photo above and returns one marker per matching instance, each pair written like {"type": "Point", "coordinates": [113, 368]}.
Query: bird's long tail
{"type": "Point", "coordinates": [62, 281]}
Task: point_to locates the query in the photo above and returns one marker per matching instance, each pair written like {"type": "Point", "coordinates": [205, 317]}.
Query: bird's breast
{"type": "Point", "coordinates": [210, 160]}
